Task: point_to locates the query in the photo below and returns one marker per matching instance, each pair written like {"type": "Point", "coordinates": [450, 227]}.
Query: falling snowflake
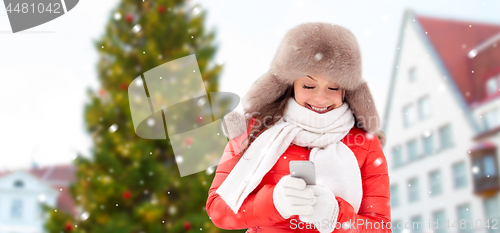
{"type": "Point", "coordinates": [426, 133]}
{"type": "Point", "coordinates": [196, 11]}
{"type": "Point", "coordinates": [113, 128]}
{"type": "Point", "coordinates": [475, 170]}
{"type": "Point", "coordinates": [318, 56]}
{"type": "Point", "coordinates": [84, 216]}
{"type": "Point", "coordinates": [41, 198]}
{"type": "Point", "coordinates": [201, 102]}
{"type": "Point", "coordinates": [179, 159]}
{"type": "Point", "coordinates": [210, 170]}
{"type": "Point", "coordinates": [118, 16]}
{"type": "Point", "coordinates": [472, 53]}
{"type": "Point", "coordinates": [136, 28]}
{"type": "Point", "coordinates": [151, 122]}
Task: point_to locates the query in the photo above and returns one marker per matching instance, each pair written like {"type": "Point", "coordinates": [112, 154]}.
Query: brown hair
{"type": "Point", "coordinates": [268, 116]}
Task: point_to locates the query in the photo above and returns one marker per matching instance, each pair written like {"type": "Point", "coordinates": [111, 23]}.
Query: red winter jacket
{"type": "Point", "coordinates": [258, 213]}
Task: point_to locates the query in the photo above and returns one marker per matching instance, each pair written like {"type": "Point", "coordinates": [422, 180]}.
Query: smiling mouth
{"type": "Point", "coordinates": [319, 110]}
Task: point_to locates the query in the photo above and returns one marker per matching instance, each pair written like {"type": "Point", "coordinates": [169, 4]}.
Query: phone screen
{"type": "Point", "coordinates": [304, 170]}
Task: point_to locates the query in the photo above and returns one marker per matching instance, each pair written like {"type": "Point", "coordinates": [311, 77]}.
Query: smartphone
{"type": "Point", "coordinates": [304, 170]}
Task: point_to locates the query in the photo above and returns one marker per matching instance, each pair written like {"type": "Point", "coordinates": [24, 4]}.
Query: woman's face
{"type": "Point", "coordinates": [317, 93]}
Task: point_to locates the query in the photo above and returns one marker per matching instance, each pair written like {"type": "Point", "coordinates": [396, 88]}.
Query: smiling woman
{"type": "Point", "coordinates": [318, 94]}
{"type": "Point", "coordinates": [305, 108]}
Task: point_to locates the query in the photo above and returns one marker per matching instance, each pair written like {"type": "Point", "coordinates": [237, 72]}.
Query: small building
{"type": "Point", "coordinates": [22, 191]}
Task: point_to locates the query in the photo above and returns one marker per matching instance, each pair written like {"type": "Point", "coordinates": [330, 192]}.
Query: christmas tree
{"type": "Point", "coordinates": [129, 183]}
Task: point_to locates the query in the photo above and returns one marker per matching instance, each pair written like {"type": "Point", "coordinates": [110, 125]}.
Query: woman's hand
{"type": "Point", "coordinates": [326, 209]}
{"type": "Point", "coordinates": [292, 197]}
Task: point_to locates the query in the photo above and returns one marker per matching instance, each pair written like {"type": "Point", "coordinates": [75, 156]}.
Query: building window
{"type": "Point", "coordinates": [435, 182]}
{"type": "Point", "coordinates": [412, 74]}
{"type": "Point", "coordinates": [445, 137]}
{"type": "Point", "coordinates": [492, 209]}
{"type": "Point", "coordinates": [428, 142]}
{"type": "Point", "coordinates": [485, 169]}
{"type": "Point", "coordinates": [485, 166]}
{"type": "Point", "coordinates": [459, 175]}
{"type": "Point", "coordinates": [39, 211]}
{"type": "Point", "coordinates": [417, 224]}
{"type": "Point", "coordinates": [464, 215]}
{"type": "Point", "coordinates": [394, 196]}
{"type": "Point", "coordinates": [409, 115]}
{"type": "Point", "coordinates": [18, 184]}
{"type": "Point", "coordinates": [16, 210]}
{"type": "Point", "coordinates": [491, 119]}
{"type": "Point", "coordinates": [489, 166]}
{"type": "Point", "coordinates": [440, 218]}
{"type": "Point", "coordinates": [424, 108]}
{"type": "Point", "coordinates": [397, 156]}
{"type": "Point", "coordinates": [412, 149]}
{"type": "Point", "coordinates": [492, 85]}
{"type": "Point", "coordinates": [413, 190]}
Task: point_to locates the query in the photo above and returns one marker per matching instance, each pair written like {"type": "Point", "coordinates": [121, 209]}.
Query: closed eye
{"type": "Point", "coordinates": [307, 87]}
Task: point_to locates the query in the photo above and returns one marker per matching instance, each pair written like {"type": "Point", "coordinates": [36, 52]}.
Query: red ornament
{"type": "Point", "coordinates": [187, 226]}
{"type": "Point", "coordinates": [129, 18]}
{"type": "Point", "coordinates": [126, 195]}
{"type": "Point", "coordinates": [102, 92]}
{"type": "Point", "coordinates": [68, 227]}
{"type": "Point", "coordinates": [161, 9]}
{"type": "Point", "coordinates": [189, 141]}
{"type": "Point", "coordinates": [123, 86]}
{"type": "Point", "coordinates": [199, 119]}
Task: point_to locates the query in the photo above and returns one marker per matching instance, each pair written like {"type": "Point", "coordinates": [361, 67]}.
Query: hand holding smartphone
{"type": "Point", "coordinates": [304, 170]}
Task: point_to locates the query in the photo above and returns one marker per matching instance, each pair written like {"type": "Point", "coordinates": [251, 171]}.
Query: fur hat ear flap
{"type": "Point", "coordinates": [361, 103]}
{"type": "Point", "coordinates": [381, 137]}
{"type": "Point", "coordinates": [234, 124]}
{"type": "Point", "coordinates": [263, 91]}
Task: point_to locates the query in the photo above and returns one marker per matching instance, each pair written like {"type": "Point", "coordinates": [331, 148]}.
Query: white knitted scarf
{"type": "Point", "coordinates": [336, 166]}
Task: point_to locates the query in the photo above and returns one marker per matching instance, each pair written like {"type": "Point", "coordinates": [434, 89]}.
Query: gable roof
{"type": "Point", "coordinates": [453, 40]}
{"type": "Point", "coordinates": [441, 37]}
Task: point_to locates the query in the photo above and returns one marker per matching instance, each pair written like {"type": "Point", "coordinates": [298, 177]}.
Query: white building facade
{"type": "Point", "coordinates": [430, 129]}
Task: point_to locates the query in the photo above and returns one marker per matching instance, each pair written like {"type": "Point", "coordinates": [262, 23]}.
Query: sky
{"type": "Point", "coordinates": [46, 70]}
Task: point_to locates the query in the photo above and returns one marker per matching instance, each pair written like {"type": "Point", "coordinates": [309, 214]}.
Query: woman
{"type": "Point", "coordinates": [311, 105]}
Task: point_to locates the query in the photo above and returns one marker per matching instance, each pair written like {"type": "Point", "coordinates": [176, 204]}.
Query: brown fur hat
{"type": "Point", "coordinates": [323, 49]}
